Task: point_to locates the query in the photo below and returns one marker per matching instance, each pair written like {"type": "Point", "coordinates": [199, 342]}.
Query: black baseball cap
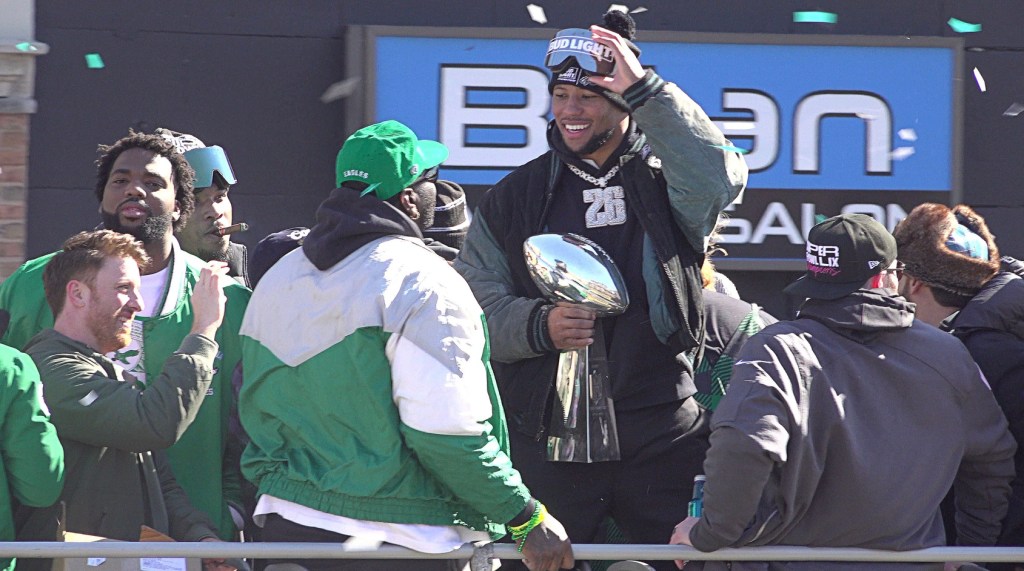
{"type": "Point", "coordinates": [843, 252]}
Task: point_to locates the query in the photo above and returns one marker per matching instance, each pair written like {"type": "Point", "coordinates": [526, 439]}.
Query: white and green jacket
{"type": "Point", "coordinates": [368, 392]}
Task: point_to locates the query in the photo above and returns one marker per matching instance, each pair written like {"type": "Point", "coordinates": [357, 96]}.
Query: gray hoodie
{"type": "Point", "coordinates": [845, 428]}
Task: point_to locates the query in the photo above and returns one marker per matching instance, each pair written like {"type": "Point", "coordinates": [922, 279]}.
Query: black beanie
{"type": "Point", "coordinates": [622, 24]}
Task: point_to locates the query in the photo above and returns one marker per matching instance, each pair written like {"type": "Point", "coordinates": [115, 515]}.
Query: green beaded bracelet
{"type": "Point", "coordinates": [520, 532]}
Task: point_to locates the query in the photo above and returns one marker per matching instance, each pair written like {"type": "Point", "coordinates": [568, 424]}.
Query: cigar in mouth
{"type": "Point", "coordinates": [227, 230]}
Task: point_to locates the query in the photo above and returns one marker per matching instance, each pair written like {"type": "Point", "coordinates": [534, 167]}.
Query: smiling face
{"type": "Point", "coordinates": [589, 124]}
{"type": "Point", "coordinates": [213, 211]}
{"type": "Point", "coordinates": [113, 301]}
{"type": "Point", "coordinates": [138, 197]}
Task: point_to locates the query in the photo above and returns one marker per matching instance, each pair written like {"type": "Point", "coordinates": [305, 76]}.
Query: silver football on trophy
{"type": "Point", "coordinates": [568, 267]}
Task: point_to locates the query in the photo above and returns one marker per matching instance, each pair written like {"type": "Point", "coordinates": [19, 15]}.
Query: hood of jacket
{"type": "Point", "coordinates": [999, 305]}
{"type": "Point", "coordinates": [346, 222]}
{"type": "Point", "coordinates": [862, 315]}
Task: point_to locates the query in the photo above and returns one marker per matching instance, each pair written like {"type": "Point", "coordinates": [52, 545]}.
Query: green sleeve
{"type": "Point", "coordinates": [32, 454]}
{"type": "Point", "coordinates": [23, 300]}
{"type": "Point", "coordinates": [90, 407]}
{"type": "Point", "coordinates": [474, 468]}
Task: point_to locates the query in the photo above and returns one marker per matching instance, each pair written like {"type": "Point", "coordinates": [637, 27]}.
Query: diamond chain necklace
{"type": "Point", "coordinates": [601, 182]}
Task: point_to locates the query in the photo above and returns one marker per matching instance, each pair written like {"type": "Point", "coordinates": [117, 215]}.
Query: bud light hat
{"type": "Point", "coordinates": [387, 157]}
{"type": "Point", "coordinates": [843, 252]}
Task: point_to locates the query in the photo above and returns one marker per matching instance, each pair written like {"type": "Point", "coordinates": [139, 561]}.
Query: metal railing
{"type": "Point", "coordinates": [615, 552]}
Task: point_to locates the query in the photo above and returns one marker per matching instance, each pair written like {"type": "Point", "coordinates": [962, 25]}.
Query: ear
{"type": "Point", "coordinates": [408, 200]}
{"type": "Point", "coordinates": [176, 214]}
{"type": "Point", "coordinates": [915, 285]}
{"type": "Point", "coordinates": [77, 294]}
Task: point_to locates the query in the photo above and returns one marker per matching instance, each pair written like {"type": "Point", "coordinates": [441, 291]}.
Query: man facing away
{"type": "Point", "coordinates": [953, 275]}
{"type": "Point", "coordinates": [144, 188]}
{"type": "Point", "coordinates": [847, 426]}
{"type": "Point", "coordinates": [114, 429]}
{"type": "Point", "coordinates": [368, 396]}
{"type": "Point", "coordinates": [637, 167]}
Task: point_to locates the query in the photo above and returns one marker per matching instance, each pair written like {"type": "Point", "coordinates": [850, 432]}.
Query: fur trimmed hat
{"type": "Point", "coordinates": [930, 242]}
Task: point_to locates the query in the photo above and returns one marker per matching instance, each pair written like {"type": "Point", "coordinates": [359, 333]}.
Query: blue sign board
{"type": "Point", "coordinates": [816, 114]}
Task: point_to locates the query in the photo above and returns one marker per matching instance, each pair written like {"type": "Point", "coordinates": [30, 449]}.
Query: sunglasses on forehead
{"type": "Point", "coordinates": [576, 46]}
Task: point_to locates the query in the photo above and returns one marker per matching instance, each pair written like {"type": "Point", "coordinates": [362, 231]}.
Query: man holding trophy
{"type": "Point", "coordinates": [638, 169]}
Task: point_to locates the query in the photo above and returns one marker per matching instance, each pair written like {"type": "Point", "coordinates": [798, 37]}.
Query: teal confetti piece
{"type": "Point", "coordinates": [731, 148]}
{"type": "Point", "coordinates": [815, 17]}
{"type": "Point", "coordinates": [94, 61]}
{"type": "Point", "coordinates": [27, 47]}
{"type": "Point", "coordinates": [961, 27]}
{"type": "Point", "coordinates": [819, 218]}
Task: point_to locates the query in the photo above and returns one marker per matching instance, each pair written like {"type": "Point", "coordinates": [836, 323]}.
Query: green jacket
{"type": "Point", "coordinates": [368, 392]}
{"type": "Point", "coordinates": [30, 454]}
{"type": "Point", "coordinates": [198, 457]}
{"type": "Point", "coordinates": [109, 427]}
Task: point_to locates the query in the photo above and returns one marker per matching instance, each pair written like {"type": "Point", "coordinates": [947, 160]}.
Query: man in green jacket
{"type": "Point", "coordinates": [112, 428]}
{"type": "Point", "coordinates": [145, 188]}
{"type": "Point", "coordinates": [31, 457]}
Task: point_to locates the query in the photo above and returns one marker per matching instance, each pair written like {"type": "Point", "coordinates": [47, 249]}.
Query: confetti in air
{"type": "Point", "coordinates": [619, 7]}
{"type": "Point", "coordinates": [27, 47]}
{"type": "Point", "coordinates": [907, 134]}
{"type": "Point", "coordinates": [815, 17]}
{"type": "Point", "coordinates": [900, 153]}
{"type": "Point", "coordinates": [961, 27]}
{"type": "Point", "coordinates": [638, 10]}
{"type": "Point", "coordinates": [340, 90]}
{"type": "Point", "coordinates": [739, 150]}
{"type": "Point", "coordinates": [537, 13]}
{"type": "Point", "coordinates": [1013, 110]}
{"type": "Point", "coordinates": [93, 61]}
{"type": "Point", "coordinates": [980, 80]}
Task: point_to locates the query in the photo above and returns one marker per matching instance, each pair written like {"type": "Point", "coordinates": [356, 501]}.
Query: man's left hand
{"type": "Point", "coordinates": [681, 535]}
{"type": "Point", "coordinates": [216, 564]}
{"type": "Point", "coordinates": [627, 67]}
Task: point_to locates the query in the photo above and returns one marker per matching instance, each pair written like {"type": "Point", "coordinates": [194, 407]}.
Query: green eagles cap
{"type": "Point", "coordinates": [388, 157]}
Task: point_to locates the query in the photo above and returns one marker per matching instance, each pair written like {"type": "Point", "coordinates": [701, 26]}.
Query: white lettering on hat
{"type": "Point", "coordinates": [568, 75]}
{"type": "Point", "coordinates": [822, 259]}
{"type": "Point", "coordinates": [599, 51]}
{"type": "Point", "coordinates": [354, 172]}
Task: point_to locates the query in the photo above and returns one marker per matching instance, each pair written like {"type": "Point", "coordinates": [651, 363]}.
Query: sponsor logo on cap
{"type": "Point", "coordinates": [570, 74]}
{"type": "Point", "coordinates": [822, 260]}
{"type": "Point", "coordinates": [872, 265]}
{"type": "Point", "coordinates": [598, 51]}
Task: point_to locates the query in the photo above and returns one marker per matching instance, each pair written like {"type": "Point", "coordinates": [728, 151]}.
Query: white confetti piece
{"type": "Point", "coordinates": [865, 116]}
{"type": "Point", "coordinates": [638, 10]}
{"type": "Point", "coordinates": [89, 398]}
{"type": "Point", "coordinates": [900, 153]}
{"type": "Point", "coordinates": [907, 134]}
{"type": "Point", "coordinates": [340, 90]}
{"type": "Point", "coordinates": [95, 561]}
{"type": "Point", "coordinates": [1013, 110]}
{"type": "Point", "coordinates": [537, 13]}
{"type": "Point", "coordinates": [619, 7]}
{"type": "Point", "coordinates": [980, 80]}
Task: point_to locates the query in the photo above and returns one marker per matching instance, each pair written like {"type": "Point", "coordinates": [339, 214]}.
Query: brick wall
{"type": "Point", "coordinates": [13, 189]}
